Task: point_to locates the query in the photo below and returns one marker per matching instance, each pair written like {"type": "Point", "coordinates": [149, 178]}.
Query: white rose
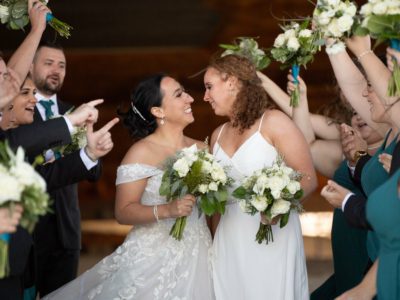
{"type": "Point", "coordinates": [280, 40]}
{"type": "Point", "coordinates": [333, 2]}
{"type": "Point", "coordinates": [335, 48]}
{"type": "Point", "coordinates": [181, 166]}
{"type": "Point", "coordinates": [260, 185]}
{"type": "Point", "coordinates": [276, 194]}
{"type": "Point", "coordinates": [24, 173]}
{"type": "Point", "coordinates": [305, 33]}
{"type": "Point", "coordinates": [4, 14]}
{"type": "Point", "coordinates": [323, 18]}
{"type": "Point", "coordinates": [203, 188]}
{"type": "Point", "coordinates": [40, 182]}
{"type": "Point", "coordinates": [379, 8]}
{"type": "Point", "coordinates": [289, 33]}
{"type": "Point", "coordinates": [293, 187]}
{"type": "Point", "coordinates": [276, 183]}
{"type": "Point", "coordinates": [287, 170]}
{"type": "Point", "coordinates": [345, 22]}
{"type": "Point", "coordinates": [366, 9]}
{"type": "Point", "coordinates": [10, 188]}
{"type": "Point", "coordinates": [218, 173]}
{"type": "Point", "coordinates": [206, 167]}
{"type": "Point", "coordinates": [393, 7]}
{"type": "Point", "coordinates": [293, 44]}
{"type": "Point", "coordinates": [333, 29]}
{"type": "Point", "coordinates": [279, 207]}
{"type": "Point", "coordinates": [209, 156]}
{"type": "Point", "coordinates": [213, 186]}
{"type": "Point", "coordinates": [351, 10]}
{"type": "Point", "coordinates": [259, 202]}
{"type": "Point", "coordinates": [190, 153]}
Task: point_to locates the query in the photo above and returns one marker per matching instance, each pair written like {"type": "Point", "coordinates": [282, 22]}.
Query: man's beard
{"type": "Point", "coordinates": [48, 88]}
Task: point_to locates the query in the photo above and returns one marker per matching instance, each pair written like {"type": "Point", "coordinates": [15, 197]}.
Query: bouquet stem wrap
{"type": "Point", "coordinates": [394, 82]}
{"type": "Point", "coordinates": [62, 28]}
{"type": "Point", "coordinates": [294, 98]}
{"type": "Point", "coordinates": [264, 233]}
{"type": "Point", "coordinates": [4, 267]}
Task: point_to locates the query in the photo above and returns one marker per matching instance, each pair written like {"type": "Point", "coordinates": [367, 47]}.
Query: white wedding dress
{"type": "Point", "coordinates": [150, 264]}
{"type": "Point", "coordinates": [242, 268]}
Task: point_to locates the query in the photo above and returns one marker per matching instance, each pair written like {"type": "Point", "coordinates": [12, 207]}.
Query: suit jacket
{"type": "Point", "coordinates": [63, 227]}
{"type": "Point", "coordinates": [35, 138]}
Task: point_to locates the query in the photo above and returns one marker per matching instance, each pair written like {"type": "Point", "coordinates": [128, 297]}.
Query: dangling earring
{"type": "Point", "coordinates": [162, 122]}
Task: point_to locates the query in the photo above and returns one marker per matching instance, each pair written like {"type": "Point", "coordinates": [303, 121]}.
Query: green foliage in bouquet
{"type": "Point", "coordinates": [247, 47]}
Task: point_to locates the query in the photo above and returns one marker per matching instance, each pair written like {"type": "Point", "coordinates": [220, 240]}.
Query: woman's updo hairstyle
{"type": "Point", "coordinates": [252, 99]}
{"type": "Point", "coordinates": [138, 119]}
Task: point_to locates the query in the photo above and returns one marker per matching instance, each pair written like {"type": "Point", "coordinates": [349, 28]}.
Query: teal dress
{"type": "Point", "coordinates": [349, 251]}
{"type": "Point", "coordinates": [383, 213]}
{"type": "Point", "coordinates": [372, 176]}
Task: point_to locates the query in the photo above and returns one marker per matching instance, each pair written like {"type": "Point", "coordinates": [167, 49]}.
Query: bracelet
{"type": "Point", "coordinates": [364, 53]}
{"type": "Point", "coordinates": [155, 212]}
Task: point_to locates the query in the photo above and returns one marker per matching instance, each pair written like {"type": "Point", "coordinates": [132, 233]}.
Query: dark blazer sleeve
{"type": "Point", "coordinates": [355, 212]}
{"type": "Point", "coordinates": [356, 178]}
{"type": "Point", "coordinates": [68, 170]}
{"type": "Point", "coordinates": [39, 136]}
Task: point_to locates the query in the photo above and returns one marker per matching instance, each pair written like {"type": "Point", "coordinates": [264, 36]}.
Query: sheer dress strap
{"type": "Point", "coordinates": [135, 172]}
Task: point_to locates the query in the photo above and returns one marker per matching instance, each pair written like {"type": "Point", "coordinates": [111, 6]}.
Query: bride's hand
{"type": "Point", "coordinates": [181, 207]}
{"type": "Point", "coordinates": [266, 221]}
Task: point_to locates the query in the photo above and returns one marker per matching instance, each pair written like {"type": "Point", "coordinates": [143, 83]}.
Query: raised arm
{"type": "Point", "coordinates": [378, 74]}
{"type": "Point", "coordinates": [22, 58]}
{"type": "Point", "coordinates": [353, 84]}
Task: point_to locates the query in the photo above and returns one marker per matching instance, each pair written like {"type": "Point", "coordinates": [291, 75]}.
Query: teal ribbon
{"type": "Point", "coordinates": [295, 73]}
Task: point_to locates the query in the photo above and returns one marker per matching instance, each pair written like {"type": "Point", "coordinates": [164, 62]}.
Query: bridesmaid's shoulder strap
{"type": "Point", "coordinates": [262, 118]}
{"type": "Point", "coordinates": [220, 131]}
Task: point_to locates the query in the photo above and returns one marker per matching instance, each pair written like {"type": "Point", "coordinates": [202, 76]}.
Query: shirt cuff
{"type": "Point", "coordinates": [71, 127]}
{"type": "Point", "coordinates": [87, 161]}
{"type": "Point", "coordinates": [351, 168]}
{"type": "Point", "coordinates": [346, 199]}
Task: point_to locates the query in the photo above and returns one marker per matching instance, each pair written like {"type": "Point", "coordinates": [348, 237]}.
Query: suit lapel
{"type": "Point", "coordinates": [36, 116]}
{"type": "Point", "coordinates": [63, 107]}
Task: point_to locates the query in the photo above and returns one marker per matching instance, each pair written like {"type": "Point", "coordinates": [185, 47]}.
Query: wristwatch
{"type": "Point", "coordinates": [359, 154]}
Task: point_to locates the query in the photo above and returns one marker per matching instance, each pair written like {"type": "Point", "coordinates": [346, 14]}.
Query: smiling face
{"type": "Point", "coordinates": [176, 103]}
{"type": "Point", "coordinates": [378, 110]}
{"type": "Point", "coordinates": [220, 92]}
{"type": "Point", "coordinates": [24, 103]}
{"type": "Point", "coordinates": [370, 135]}
{"type": "Point", "coordinates": [48, 70]}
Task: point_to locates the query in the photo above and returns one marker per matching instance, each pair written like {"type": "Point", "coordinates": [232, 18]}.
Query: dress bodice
{"type": "Point", "coordinates": [134, 172]}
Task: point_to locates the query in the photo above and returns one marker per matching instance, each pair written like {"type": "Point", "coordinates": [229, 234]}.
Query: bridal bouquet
{"type": "Point", "coordinates": [195, 172]}
{"type": "Point", "coordinates": [14, 13]}
{"type": "Point", "coordinates": [381, 19]}
{"type": "Point", "coordinates": [272, 191]}
{"type": "Point", "coordinates": [78, 141]}
{"type": "Point", "coordinates": [20, 183]}
{"type": "Point", "coordinates": [335, 19]}
{"type": "Point", "coordinates": [247, 47]}
{"type": "Point", "coordinates": [295, 47]}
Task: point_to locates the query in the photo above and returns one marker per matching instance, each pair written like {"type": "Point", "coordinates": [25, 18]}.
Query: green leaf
{"type": "Point", "coordinates": [175, 187]}
{"type": "Point", "coordinates": [299, 194]}
{"type": "Point", "coordinates": [221, 195]}
{"type": "Point", "coordinates": [229, 47]}
{"type": "Point", "coordinates": [184, 191]}
{"type": "Point", "coordinates": [284, 219]}
{"type": "Point", "coordinates": [240, 193]}
{"type": "Point", "coordinates": [206, 206]}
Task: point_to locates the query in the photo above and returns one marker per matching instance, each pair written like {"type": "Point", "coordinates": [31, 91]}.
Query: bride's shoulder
{"type": "Point", "coordinates": [140, 152]}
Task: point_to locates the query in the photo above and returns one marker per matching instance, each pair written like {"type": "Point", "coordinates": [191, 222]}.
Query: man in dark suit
{"type": "Point", "coordinates": [57, 236]}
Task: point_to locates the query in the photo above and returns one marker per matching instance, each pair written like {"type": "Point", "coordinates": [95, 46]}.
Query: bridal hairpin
{"type": "Point", "coordinates": [136, 111]}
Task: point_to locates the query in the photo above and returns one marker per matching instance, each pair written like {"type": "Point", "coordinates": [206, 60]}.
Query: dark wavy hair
{"type": "Point", "coordinates": [252, 99]}
{"type": "Point", "coordinates": [138, 119]}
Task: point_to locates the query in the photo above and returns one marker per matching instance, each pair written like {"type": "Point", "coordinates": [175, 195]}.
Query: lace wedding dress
{"type": "Point", "coordinates": [242, 268]}
{"type": "Point", "coordinates": [150, 264]}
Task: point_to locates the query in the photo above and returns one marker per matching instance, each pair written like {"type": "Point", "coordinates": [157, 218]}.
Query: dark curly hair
{"type": "Point", "coordinates": [138, 119]}
{"type": "Point", "coordinates": [252, 99]}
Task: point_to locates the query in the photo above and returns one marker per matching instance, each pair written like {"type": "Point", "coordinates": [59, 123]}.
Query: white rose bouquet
{"type": "Point", "coordinates": [195, 172]}
{"type": "Point", "coordinates": [14, 13]}
{"type": "Point", "coordinates": [381, 20]}
{"type": "Point", "coordinates": [272, 191]}
{"type": "Point", "coordinates": [295, 47]}
{"type": "Point", "coordinates": [247, 47]}
{"type": "Point", "coordinates": [19, 182]}
{"type": "Point", "coordinates": [335, 19]}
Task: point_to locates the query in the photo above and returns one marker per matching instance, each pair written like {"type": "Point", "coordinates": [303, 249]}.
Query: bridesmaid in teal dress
{"type": "Point", "coordinates": [383, 213]}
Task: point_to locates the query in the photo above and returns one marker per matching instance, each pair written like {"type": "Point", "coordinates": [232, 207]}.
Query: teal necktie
{"type": "Point", "coordinates": [47, 104]}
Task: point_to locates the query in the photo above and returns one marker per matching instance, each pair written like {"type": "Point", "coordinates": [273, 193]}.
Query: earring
{"type": "Point", "coordinates": [162, 122]}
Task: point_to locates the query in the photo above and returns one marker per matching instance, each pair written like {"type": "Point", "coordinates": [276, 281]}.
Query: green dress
{"type": "Point", "coordinates": [383, 213]}
{"type": "Point", "coordinates": [373, 175]}
{"type": "Point", "coordinates": [348, 248]}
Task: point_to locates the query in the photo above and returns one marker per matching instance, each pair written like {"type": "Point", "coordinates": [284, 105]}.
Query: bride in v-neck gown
{"type": "Point", "coordinates": [242, 268]}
